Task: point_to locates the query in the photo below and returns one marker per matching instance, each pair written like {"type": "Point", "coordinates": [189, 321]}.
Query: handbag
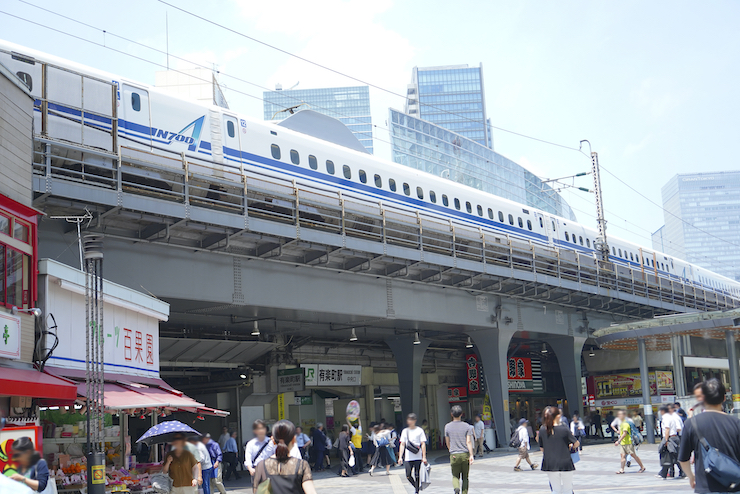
{"type": "Point", "coordinates": [412, 447]}
{"type": "Point", "coordinates": [265, 487]}
{"type": "Point", "coordinates": [352, 460]}
{"type": "Point", "coordinates": [575, 456]}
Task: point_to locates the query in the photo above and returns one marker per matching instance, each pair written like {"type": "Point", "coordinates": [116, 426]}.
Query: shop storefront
{"type": "Point", "coordinates": [609, 392]}
{"type": "Point", "coordinates": [135, 397]}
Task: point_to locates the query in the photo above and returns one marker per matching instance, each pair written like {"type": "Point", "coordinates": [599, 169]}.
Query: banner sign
{"type": "Point", "coordinates": [474, 378]}
{"type": "Point", "coordinates": [290, 380]}
{"type": "Point", "coordinates": [621, 402]}
{"type": "Point", "coordinates": [332, 375]}
{"type": "Point", "coordinates": [281, 406]}
{"type": "Point", "coordinates": [520, 375]}
{"type": "Point", "coordinates": [630, 384]}
{"type": "Point", "coordinates": [457, 394]}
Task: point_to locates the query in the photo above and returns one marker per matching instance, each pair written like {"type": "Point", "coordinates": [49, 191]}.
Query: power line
{"type": "Point", "coordinates": [204, 19]}
{"type": "Point", "coordinates": [361, 81]}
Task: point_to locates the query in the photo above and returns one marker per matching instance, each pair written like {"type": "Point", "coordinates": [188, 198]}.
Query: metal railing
{"type": "Point", "coordinates": [198, 183]}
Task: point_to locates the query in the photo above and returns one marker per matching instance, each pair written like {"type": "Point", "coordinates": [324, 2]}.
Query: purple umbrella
{"type": "Point", "coordinates": [167, 431]}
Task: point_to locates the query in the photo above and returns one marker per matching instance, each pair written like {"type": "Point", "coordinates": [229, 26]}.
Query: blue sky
{"type": "Point", "coordinates": [652, 85]}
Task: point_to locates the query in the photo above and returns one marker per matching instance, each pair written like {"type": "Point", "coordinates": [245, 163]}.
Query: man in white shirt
{"type": "Point", "coordinates": [206, 465]}
{"type": "Point", "coordinates": [223, 438]}
{"type": "Point", "coordinates": [262, 447]}
{"type": "Point", "coordinates": [671, 426]}
{"type": "Point", "coordinates": [413, 450]}
{"type": "Point", "coordinates": [478, 431]}
{"type": "Point", "coordinates": [523, 434]}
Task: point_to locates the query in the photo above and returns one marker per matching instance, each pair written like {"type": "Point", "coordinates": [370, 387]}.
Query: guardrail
{"type": "Point", "coordinates": [199, 183]}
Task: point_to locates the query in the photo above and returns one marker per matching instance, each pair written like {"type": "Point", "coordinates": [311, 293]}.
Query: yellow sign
{"type": "Point", "coordinates": [735, 398]}
{"type": "Point", "coordinates": [98, 474]}
{"type": "Point", "coordinates": [281, 406]}
{"type": "Point", "coordinates": [487, 415]}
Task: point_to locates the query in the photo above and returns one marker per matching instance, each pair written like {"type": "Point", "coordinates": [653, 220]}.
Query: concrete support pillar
{"type": "Point", "coordinates": [493, 345]}
{"type": "Point", "coordinates": [370, 403]}
{"type": "Point", "coordinates": [568, 351]}
{"type": "Point", "coordinates": [679, 373]}
{"type": "Point", "coordinates": [734, 376]}
{"type": "Point", "coordinates": [409, 357]}
{"type": "Point", "coordinates": [646, 402]}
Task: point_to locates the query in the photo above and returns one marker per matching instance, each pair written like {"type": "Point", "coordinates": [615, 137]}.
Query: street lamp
{"type": "Point", "coordinates": [417, 341]}
{"type": "Point", "coordinates": [469, 344]}
{"type": "Point", "coordinates": [353, 336]}
{"type": "Point", "coordinates": [34, 311]}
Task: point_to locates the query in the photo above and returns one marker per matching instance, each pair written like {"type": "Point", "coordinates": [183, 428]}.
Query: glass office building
{"type": "Point", "coordinates": [351, 105]}
{"type": "Point", "coordinates": [702, 221]}
{"type": "Point", "coordinates": [453, 98]}
{"type": "Point", "coordinates": [422, 145]}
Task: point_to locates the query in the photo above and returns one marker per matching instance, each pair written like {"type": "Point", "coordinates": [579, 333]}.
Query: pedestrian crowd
{"type": "Point", "coordinates": [702, 446]}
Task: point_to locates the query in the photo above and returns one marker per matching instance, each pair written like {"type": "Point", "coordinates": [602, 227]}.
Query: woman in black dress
{"type": "Point", "coordinates": [381, 457]}
{"type": "Point", "coordinates": [345, 452]}
{"type": "Point", "coordinates": [287, 475]}
{"type": "Point", "coordinates": [556, 443]}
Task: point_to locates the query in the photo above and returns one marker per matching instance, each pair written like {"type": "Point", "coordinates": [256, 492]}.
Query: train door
{"type": "Point", "coordinates": [549, 226]}
{"type": "Point", "coordinates": [137, 119]}
{"type": "Point", "coordinates": [232, 149]}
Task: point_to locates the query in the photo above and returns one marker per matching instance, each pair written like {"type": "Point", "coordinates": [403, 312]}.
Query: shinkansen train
{"type": "Point", "coordinates": [317, 150]}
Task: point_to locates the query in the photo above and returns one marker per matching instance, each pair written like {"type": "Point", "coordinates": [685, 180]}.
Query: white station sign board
{"type": "Point", "coordinates": [130, 323]}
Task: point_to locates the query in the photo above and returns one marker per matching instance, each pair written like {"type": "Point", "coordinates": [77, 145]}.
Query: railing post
{"type": "Point", "coordinates": [421, 231]}
{"type": "Point", "coordinates": [297, 205]}
{"type": "Point", "coordinates": [483, 244]}
{"type": "Point", "coordinates": [382, 214]}
{"type": "Point", "coordinates": [44, 101]}
{"type": "Point", "coordinates": [454, 241]}
{"type": "Point", "coordinates": [185, 184]}
{"type": "Point", "coordinates": [342, 219]}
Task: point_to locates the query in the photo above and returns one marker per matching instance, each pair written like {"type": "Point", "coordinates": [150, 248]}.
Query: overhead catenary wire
{"type": "Point", "coordinates": [251, 38]}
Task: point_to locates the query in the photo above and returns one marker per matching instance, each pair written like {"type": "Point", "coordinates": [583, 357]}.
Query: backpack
{"type": "Point", "coordinates": [718, 465]}
{"type": "Point", "coordinates": [382, 441]}
{"type": "Point", "coordinates": [635, 433]}
{"type": "Point", "coordinates": [515, 441]}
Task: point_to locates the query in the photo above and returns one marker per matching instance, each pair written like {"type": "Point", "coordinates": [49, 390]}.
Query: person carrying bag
{"type": "Point", "coordinates": [281, 473]}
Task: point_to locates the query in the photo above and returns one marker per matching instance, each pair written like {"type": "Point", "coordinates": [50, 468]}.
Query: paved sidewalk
{"type": "Point", "coordinates": [595, 473]}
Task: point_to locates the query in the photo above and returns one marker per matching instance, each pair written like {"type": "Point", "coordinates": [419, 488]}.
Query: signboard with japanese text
{"type": "Point", "coordinates": [457, 394]}
{"type": "Point", "coordinates": [281, 406]}
{"type": "Point", "coordinates": [630, 384]}
{"type": "Point", "coordinates": [520, 375]}
{"type": "Point", "coordinates": [131, 336]}
{"type": "Point", "coordinates": [473, 377]}
{"type": "Point", "coordinates": [10, 336]}
{"type": "Point", "coordinates": [332, 375]}
{"type": "Point", "coordinates": [290, 380]}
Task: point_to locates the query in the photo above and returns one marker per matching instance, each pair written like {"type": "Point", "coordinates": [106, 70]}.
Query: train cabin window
{"type": "Point", "coordinates": [521, 223]}
{"type": "Point", "coordinates": [294, 157]}
{"type": "Point", "coordinates": [588, 243]}
{"type": "Point", "coordinates": [230, 129]}
{"type": "Point", "coordinates": [542, 225]}
{"type": "Point", "coordinates": [312, 162]}
{"type": "Point", "coordinates": [553, 225]}
{"type": "Point", "coordinates": [330, 167]}
{"type": "Point", "coordinates": [378, 181]}
{"type": "Point", "coordinates": [432, 196]}
{"type": "Point", "coordinates": [25, 79]}
{"type": "Point", "coordinates": [363, 176]}
{"type": "Point", "coordinates": [575, 240]}
{"type": "Point", "coordinates": [392, 184]}
{"type": "Point", "coordinates": [490, 213]}
{"type": "Point", "coordinates": [275, 150]}
{"type": "Point", "coordinates": [445, 200]}
{"type": "Point", "coordinates": [631, 257]}
{"type": "Point", "coordinates": [420, 193]}
{"type": "Point", "coordinates": [406, 189]}
{"type": "Point", "coordinates": [620, 252]}
{"type": "Point", "coordinates": [457, 203]}
{"type": "Point", "coordinates": [480, 210]}
{"type": "Point", "coordinates": [567, 237]}
{"type": "Point", "coordinates": [135, 102]}
{"type": "Point", "coordinates": [529, 224]}
{"type": "Point", "coordinates": [468, 207]}
{"type": "Point", "coordinates": [580, 239]}
{"type": "Point", "coordinates": [501, 216]}
{"type": "Point", "coordinates": [511, 219]}
{"type": "Point", "coordinates": [347, 172]}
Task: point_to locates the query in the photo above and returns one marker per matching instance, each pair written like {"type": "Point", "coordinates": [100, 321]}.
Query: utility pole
{"type": "Point", "coordinates": [601, 244]}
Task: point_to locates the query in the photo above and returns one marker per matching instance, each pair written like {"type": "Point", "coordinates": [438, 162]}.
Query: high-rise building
{"type": "Point", "coordinates": [422, 145]}
{"type": "Point", "coordinates": [451, 97]}
{"type": "Point", "coordinates": [702, 221]}
{"type": "Point", "coordinates": [350, 105]}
